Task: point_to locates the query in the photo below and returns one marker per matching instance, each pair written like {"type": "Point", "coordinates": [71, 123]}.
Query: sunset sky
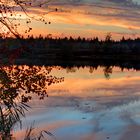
{"type": "Point", "coordinates": [90, 18]}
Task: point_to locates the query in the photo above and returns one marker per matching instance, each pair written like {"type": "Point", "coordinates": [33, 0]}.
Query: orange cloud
{"type": "Point", "coordinates": [87, 20]}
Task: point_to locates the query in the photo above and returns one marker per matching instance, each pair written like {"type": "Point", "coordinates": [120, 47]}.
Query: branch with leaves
{"type": "Point", "coordinates": [17, 83]}
{"type": "Point", "coordinates": [11, 12]}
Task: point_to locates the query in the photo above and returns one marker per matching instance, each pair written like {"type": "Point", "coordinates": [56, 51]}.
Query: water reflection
{"type": "Point", "coordinates": [107, 71]}
{"type": "Point", "coordinates": [92, 103]}
{"type": "Point", "coordinates": [17, 84]}
{"type": "Point", "coordinates": [91, 106]}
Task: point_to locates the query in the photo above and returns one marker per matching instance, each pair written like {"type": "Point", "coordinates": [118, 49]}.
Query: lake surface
{"type": "Point", "coordinates": [91, 104]}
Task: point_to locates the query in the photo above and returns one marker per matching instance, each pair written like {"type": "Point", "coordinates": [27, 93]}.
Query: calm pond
{"type": "Point", "coordinates": [91, 104]}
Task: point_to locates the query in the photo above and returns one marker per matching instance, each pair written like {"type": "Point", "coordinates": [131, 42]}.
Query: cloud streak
{"type": "Point", "coordinates": [116, 16]}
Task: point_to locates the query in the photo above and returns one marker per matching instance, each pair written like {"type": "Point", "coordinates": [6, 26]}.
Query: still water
{"type": "Point", "coordinates": [91, 104]}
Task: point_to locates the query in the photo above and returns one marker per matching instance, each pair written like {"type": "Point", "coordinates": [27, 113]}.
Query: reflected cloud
{"type": "Point", "coordinates": [92, 87]}
{"type": "Point", "coordinates": [117, 91]}
{"type": "Point", "coordinates": [88, 106]}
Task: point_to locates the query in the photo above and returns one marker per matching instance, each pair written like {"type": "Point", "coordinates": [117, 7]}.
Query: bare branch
{"type": "Point", "coordinates": [9, 10]}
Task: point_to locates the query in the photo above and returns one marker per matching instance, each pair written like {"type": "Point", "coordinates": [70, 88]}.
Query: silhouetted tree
{"type": "Point", "coordinates": [108, 37]}
{"type": "Point", "coordinates": [9, 15]}
{"type": "Point", "coordinates": [16, 83]}
{"type": "Point", "coordinates": [10, 18]}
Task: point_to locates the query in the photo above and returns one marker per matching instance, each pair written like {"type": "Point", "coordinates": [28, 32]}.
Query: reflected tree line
{"type": "Point", "coordinates": [17, 85]}
{"type": "Point", "coordinates": [107, 70]}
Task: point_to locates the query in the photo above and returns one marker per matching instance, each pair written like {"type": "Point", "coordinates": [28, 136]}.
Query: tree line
{"type": "Point", "coordinates": [72, 45]}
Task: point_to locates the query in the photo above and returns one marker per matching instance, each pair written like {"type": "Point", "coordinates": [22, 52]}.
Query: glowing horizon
{"type": "Point", "coordinates": [88, 18]}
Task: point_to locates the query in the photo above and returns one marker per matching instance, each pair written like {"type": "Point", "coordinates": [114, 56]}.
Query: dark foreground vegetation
{"type": "Point", "coordinates": [70, 51]}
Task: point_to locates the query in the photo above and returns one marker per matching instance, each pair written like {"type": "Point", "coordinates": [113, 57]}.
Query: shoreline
{"type": "Point", "coordinates": [105, 61]}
